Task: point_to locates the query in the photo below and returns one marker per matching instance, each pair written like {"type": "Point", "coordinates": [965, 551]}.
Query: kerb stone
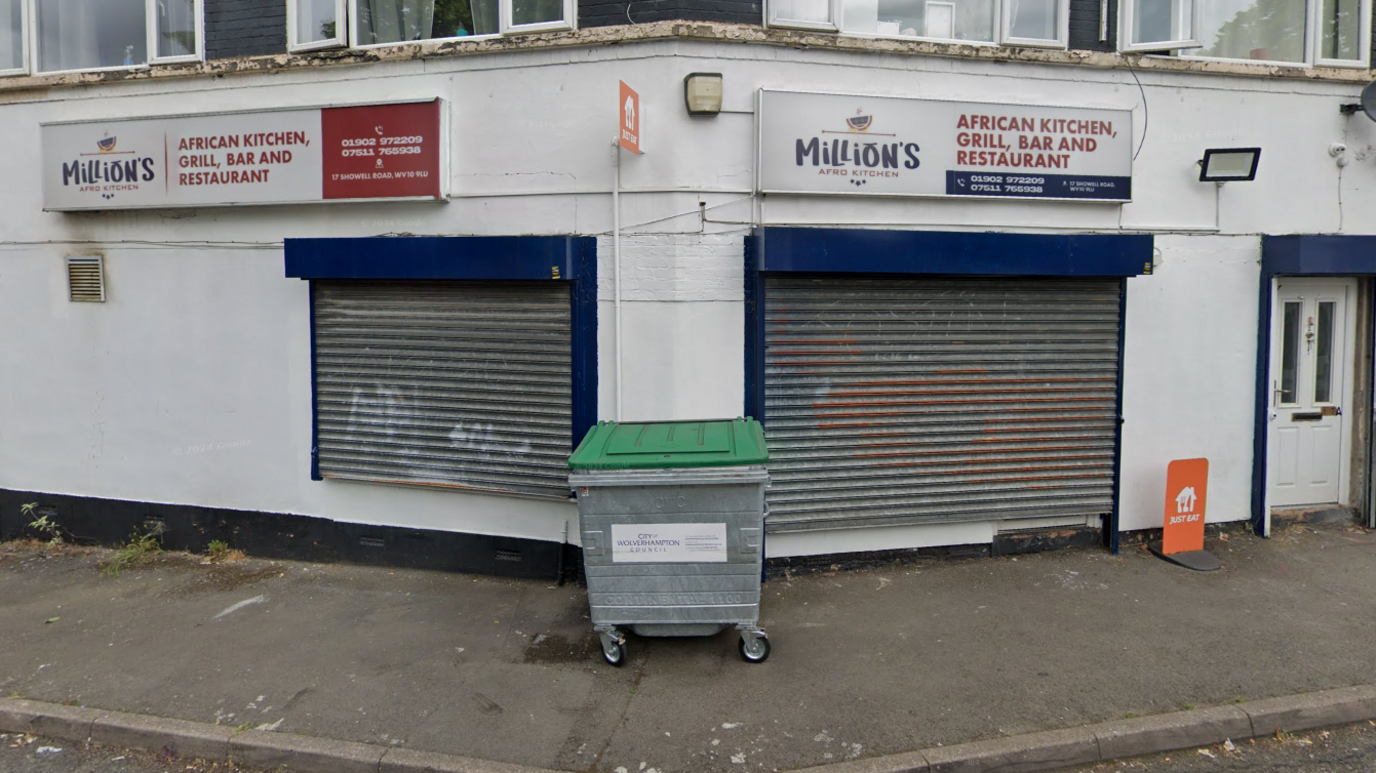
{"type": "Point", "coordinates": [1168, 732]}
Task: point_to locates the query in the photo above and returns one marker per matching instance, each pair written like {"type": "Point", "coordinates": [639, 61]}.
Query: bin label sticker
{"type": "Point", "coordinates": [654, 543]}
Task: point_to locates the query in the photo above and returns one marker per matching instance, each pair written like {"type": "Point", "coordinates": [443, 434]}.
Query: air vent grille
{"type": "Point", "coordinates": [86, 278]}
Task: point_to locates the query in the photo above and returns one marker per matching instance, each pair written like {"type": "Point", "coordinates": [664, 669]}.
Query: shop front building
{"type": "Point", "coordinates": [359, 298]}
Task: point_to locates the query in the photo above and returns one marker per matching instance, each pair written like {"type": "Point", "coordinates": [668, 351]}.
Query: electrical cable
{"type": "Point", "coordinates": [145, 243]}
{"type": "Point", "coordinates": [1146, 111]}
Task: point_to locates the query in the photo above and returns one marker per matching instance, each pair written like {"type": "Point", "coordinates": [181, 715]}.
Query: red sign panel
{"type": "Point", "coordinates": [382, 151]}
{"type": "Point", "coordinates": [1187, 487]}
{"type": "Point", "coordinates": [628, 116]}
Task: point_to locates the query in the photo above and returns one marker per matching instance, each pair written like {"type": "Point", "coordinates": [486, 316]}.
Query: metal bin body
{"type": "Point", "coordinates": [681, 597]}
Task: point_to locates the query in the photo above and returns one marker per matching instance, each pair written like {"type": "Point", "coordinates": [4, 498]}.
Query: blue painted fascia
{"type": "Point", "coordinates": [315, 394]}
{"type": "Point", "coordinates": [1111, 537]}
{"type": "Point", "coordinates": [754, 332]}
{"type": "Point", "coordinates": [1298, 255]}
{"type": "Point", "coordinates": [1262, 403]}
{"type": "Point", "coordinates": [583, 302]}
{"type": "Point", "coordinates": [438, 257]}
{"type": "Point", "coordinates": [852, 250]}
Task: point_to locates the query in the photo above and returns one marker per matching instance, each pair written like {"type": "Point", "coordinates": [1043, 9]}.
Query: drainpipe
{"type": "Point", "coordinates": [616, 262]}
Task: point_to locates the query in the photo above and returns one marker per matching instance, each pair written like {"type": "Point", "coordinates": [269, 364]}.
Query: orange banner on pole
{"type": "Point", "coordinates": [628, 110]}
{"type": "Point", "coordinates": [1187, 488]}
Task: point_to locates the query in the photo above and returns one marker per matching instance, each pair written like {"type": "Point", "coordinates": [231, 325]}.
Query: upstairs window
{"type": "Point", "coordinates": [313, 24]}
{"type": "Point", "coordinates": [176, 30]}
{"type": "Point", "coordinates": [322, 23]}
{"type": "Point", "coordinates": [64, 35]}
{"type": "Point", "coordinates": [1010, 22]}
{"type": "Point", "coordinates": [380, 22]}
{"type": "Point", "coordinates": [1334, 33]}
{"type": "Point", "coordinates": [384, 22]}
{"type": "Point", "coordinates": [13, 53]}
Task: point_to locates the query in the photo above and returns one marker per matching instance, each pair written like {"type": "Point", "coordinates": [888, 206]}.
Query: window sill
{"type": "Point", "coordinates": [709, 32]}
{"type": "Point", "coordinates": [813, 26]}
{"type": "Point", "coordinates": [130, 68]}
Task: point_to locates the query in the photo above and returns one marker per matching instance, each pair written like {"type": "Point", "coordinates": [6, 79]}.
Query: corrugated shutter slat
{"type": "Point", "coordinates": [444, 383]}
{"type": "Point", "coordinates": [906, 401]}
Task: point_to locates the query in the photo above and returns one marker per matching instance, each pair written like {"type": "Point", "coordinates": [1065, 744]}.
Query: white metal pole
{"type": "Point", "coordinates": [616, 262]}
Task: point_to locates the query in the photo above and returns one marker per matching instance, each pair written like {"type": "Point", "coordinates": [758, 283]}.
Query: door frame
{"type": "Point", "coordinates": [1314, 256]}
{"type": "Point", "coordinates": [1346, 354]}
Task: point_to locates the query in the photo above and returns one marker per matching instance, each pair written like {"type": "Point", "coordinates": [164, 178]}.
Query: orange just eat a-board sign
{"type": "Point", "coordinates": [628, 117]}
{"type": "Point", "coordinates": [1187, 487]}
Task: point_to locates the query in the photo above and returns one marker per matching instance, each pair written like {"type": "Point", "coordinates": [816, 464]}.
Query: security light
{"type": "Point", "coordinates": [1221, 165]}
{"type": "Point", "coordinates": [702, 93]}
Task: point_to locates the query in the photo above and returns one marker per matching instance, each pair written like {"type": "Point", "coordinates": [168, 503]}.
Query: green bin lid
{"type": "Point", "coordinates": [649, 445]}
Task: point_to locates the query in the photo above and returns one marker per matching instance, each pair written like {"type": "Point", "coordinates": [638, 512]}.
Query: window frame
{"type": "Point", "coordinates": [197, 8]}
{"type": "Point", "coordinates": [504, 26]}
{"type": "Point", "coordinates": [26, 59]}
{"type": "Point", "coordinates": [1062, 28]}
{"type": "Point", "coordinates": [31, 54]}
{"type": "Point", "coordinates": [772, 19]}
{"type": "Point", "coordinates": [1126, 9]}
{"type": "Point", "coordinates": [508, 27]}
{"type": "Point", "coordinates": [1002, 23]}
{"type": "Point", "coordinates": [1312, 38]}
{"type": "Point", "coordinates": [1313, 45]}
{"type": "Point", "coordinates": [343, 27]}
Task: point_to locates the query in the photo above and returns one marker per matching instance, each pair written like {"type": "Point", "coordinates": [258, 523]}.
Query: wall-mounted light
{"type": "Point", "coordinates": [702, 93]}
{"type": "Point", "coordinates": [1224, 165]}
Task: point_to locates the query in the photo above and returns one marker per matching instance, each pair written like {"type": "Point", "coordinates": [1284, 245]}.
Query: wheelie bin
{"type": "Point", "coordinates": [672, 523]}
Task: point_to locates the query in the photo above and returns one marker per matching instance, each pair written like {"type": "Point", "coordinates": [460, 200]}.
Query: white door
{"type": "Point", "coordinates": [1311, 383]}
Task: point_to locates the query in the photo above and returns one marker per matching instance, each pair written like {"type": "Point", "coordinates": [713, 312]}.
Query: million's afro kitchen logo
{"type": "Point", "coordinates": [855, 150]}
{"type": "Point", "coordinates": [107, 169]}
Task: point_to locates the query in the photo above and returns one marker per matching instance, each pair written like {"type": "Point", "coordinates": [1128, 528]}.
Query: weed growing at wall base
{"type": "Point", "coordinates": [141, 547]}
{"type": "Point", "coordinates": [42, 524]}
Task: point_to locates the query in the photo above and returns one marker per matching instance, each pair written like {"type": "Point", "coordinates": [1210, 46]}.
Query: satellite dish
{"type": "Point", "coordinates": [1369, 100]}
{"type": "Point", "coordinates": [1367, 105]}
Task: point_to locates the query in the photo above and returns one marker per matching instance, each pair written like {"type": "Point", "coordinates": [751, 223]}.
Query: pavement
{"type": "Point", "coordinates": [1024, 663]}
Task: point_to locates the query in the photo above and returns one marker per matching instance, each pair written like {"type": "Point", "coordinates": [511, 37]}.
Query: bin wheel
{"type": "Point", "coordinates": [614, 652]}
{"type": "Point", "coordinates": [754, 649]}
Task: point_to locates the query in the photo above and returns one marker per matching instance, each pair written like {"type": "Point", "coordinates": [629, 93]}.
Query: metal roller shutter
{"type": "Point", "coordinates": [461, 384]}
{"type": "Point", "coordinates": [903, 401]}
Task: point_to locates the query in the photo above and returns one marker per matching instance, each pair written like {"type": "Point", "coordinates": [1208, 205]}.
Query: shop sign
{"type": "Point", "coordinates": [1187, 489]}
{"type": "Point", "coordinates": [391, 151]}
{"type": "Point", "coordinates": [628, 115]}
{"type": "Point", "coordinates": [669, 543]}
{"type": "Point", "coordinates": [888, 146]}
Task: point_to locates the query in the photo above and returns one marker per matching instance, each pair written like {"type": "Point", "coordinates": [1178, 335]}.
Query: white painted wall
{"type": "Point", "coordinates": [1189, 376]}
{"type": "Point", "coordinates": [191, 385]}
